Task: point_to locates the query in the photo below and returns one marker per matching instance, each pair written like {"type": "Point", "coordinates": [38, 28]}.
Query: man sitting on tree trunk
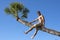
{"type": "Point", "coordinates": [39, 25]}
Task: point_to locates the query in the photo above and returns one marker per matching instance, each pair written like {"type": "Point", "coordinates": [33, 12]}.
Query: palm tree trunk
{"type": "Point", "coordinates": [24, 22]}
{"type": "Point", "coordinates": [50, 31]}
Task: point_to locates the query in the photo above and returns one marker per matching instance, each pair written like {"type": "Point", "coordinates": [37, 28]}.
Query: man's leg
{"type": "Point", "coordinates": [37, 26]}
{"type": "Point", "coordinates": [35, 33]}
{"type": "Point", "coordinates": [30, 29]}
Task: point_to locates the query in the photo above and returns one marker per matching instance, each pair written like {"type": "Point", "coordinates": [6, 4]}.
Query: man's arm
{"type": "Point", "coordinates": [34, 20]}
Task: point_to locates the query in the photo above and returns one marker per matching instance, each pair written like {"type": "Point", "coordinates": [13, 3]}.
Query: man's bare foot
{"type": "Point", "coordinates": [32, 37]}
{"type": "Point", "coordinates": [26, 32]}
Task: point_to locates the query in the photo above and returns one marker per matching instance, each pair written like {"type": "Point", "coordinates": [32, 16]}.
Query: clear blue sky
{"type": "Point", "coordinates": [10, 29]}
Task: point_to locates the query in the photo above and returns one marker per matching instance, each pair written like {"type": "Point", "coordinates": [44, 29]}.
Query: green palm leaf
{"type": "Point", "coordinates": [16, 8]}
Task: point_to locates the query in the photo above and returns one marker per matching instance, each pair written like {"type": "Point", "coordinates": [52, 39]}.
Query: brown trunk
{"type": "Point", "coordinates": [50, 31]}
{"type": "Point", "coordinates": [24, 22]}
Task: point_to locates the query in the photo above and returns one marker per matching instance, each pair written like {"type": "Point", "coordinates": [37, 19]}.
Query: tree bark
{"type": "Point", "coordinates": [44, 29]}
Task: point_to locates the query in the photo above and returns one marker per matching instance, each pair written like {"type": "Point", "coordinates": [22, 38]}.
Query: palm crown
{"type": "Point", "coordinates": [17, 8]}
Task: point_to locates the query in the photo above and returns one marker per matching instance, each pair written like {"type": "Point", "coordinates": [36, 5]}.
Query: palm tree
{"type": "Point", "coordinates": [17, 8]}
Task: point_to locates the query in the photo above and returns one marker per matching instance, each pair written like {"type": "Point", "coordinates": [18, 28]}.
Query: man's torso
{"type": "Point", "coordinates": [41, 19]}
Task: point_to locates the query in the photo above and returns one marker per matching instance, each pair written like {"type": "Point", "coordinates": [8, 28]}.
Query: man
{"type": "Point", "coordinates": [39, 25]}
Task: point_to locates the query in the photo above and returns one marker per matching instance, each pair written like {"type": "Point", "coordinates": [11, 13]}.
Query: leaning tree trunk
{"type": "Point", "coordinates": [50, 31]}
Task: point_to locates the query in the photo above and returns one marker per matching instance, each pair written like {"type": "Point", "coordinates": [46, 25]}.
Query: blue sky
{"type": "Point", "coordinates": [10, 29]}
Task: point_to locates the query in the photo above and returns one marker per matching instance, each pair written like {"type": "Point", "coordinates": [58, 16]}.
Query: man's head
{"type": "Point", "coordinates": [38, 12]}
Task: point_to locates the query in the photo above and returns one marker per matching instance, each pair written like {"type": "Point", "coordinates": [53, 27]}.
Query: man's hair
{"type": "Point", "coordinates": [39, 13]}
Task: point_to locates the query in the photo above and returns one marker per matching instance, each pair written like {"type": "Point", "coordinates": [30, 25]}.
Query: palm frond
{"type": "Point", "coordinates": [25, 13]}
{"type": "Point", "coordinates": [7, 10]}
{"type": "Point", "coordinates": [16, 8]}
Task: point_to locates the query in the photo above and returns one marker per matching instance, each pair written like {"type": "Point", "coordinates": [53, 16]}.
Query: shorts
{"type": "Point", "coordinates": [38, 24]}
